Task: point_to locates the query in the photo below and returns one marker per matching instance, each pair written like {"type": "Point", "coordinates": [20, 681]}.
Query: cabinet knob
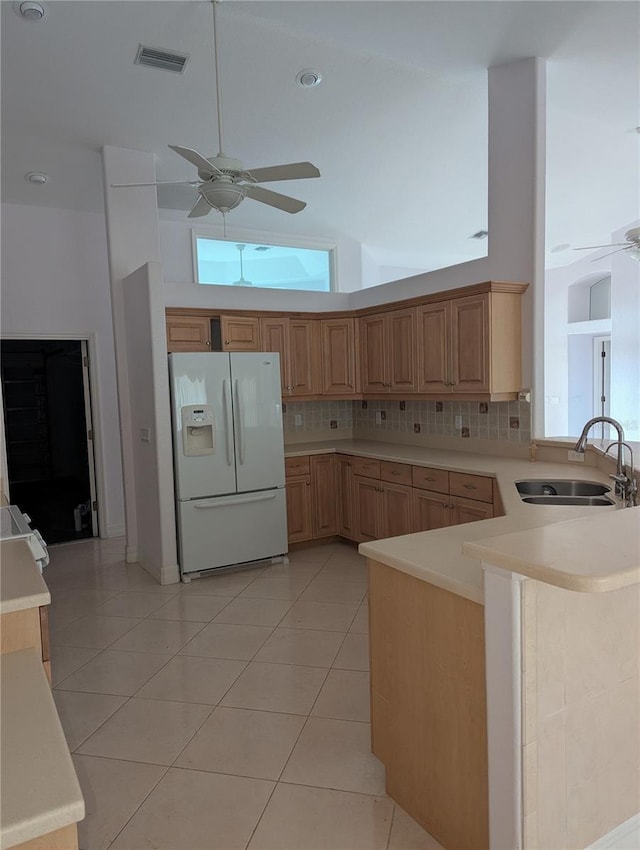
{"type": "Point", "coordinates": [444, 504]}
{"type": "Point", "coordinates": [208, 344]}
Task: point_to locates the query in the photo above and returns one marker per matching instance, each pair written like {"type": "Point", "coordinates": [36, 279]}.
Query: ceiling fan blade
{"type": "Point", "coordinates": [610, 254]}
{"type": "Point", "coordinates": [595, 247]}
{"type": "Point", "coordinates": [159, 183]}
{"type": "Point", "coordinates": [274, 199]}
{"type": "Point", "coordinates": [196, 159]}
{"type": "Point", "coordinates": [290, 171]}
{"type": "Point", "coordinates": [200, 208]}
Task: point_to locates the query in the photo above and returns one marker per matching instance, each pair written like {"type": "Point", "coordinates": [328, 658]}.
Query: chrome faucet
{"type": "Point", "coordinates": [626, 487]}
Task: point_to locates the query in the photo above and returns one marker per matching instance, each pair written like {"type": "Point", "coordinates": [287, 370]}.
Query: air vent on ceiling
{"type": "Point", "coordinates": [158, 57]}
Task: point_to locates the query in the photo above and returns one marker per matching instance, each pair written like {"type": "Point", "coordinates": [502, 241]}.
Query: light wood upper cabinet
{"type": "Point", "coordinates": [188, 333]}
{"type": "Point", "coordinates": [374, 346]}
{"type": "Point", "coordinates": [471, 345]}
{"type": "Point", "coordinates": [433, 348]}
{"type": "Point", "coordinates": [388, 346]}
{"type": "Point", "coordinates": [298, 343]}
{"type": "Point", "coordinates": [338, 356]}
{"type": "Point", "coordinates": [470, 335]}
{"type": "Point", "coordinates": [240, 333]}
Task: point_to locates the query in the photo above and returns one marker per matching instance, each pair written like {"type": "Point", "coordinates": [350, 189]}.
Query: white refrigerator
{"type": "Point", "coordinates": [228, 456]}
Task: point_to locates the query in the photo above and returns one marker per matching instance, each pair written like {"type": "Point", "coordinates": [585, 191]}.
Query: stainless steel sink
{"type": "Point", "coordinates": [560, 487]}
{"type": "Point", "coordinates": [568, 500]}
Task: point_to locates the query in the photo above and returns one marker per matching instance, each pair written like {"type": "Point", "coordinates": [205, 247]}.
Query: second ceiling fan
{"type": "Point", "coordinates": [223, 181]}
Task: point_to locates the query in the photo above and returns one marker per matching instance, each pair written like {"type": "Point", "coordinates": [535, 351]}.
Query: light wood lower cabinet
{"type": "Point", "coordinates": [323, 496]}
{"type": "Point", "coordinates": [428, 705]}
{"type": "Point", "coordinates": [381, 509]}
{"type": "Point", "coordinates": [311, 497]}
{"type": "Point", "coordinates": [366, 496]}
{"type": "Point", "coordinates": [344, 497]}
{"type": "Point", "coordinates": [430, 510]}
{"type": "Point", "coordinates": [27, 629]}
{"type": "Point", "coordinates": [299, 525]}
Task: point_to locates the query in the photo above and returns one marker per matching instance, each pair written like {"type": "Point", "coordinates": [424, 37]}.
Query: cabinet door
{"type": "Point", "coordinates": [188, 333]}
{"type": "Point", "coordinates": [366, 493]}
{"type": "Point", "coordinates": [344, 487]}
{"type": "Point", "coordinates": [323, 495]}
{"type": "Point", "coordinates": [430, 510]}
{"type": "Point", "coordinates": [274, 336]}
{"type": "Point", "coordinates": [470, 344]}
{"type": "Point", "coordinates": [433, 348]}
{"type": "Point", "coordinates": [468, 510]}
{"type": "Point", "coordinates": [299, 508]}
{"type": "Point", "coordinates": [396, 510]}
{"type": "Point", "coordinates": [402, 351]}
{"type": "Point", "coordinates": [338, 356]}
{"type": "Point", "coordinates": [374, 349]}
{"type": "Point", "coordinates": [304, 357]}
{"type": "Point", "coordinates": [240, 333]}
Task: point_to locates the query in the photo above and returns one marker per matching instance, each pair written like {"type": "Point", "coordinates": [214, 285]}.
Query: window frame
{"type": "Point", "coordinates": [277, 242]}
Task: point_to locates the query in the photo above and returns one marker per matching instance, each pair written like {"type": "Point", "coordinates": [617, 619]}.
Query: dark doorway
{"type": "Point", "coordinates": [45, 389]}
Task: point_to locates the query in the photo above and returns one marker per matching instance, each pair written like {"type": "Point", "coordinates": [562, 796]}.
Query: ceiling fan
{"type": "Point", "coordinates": [223, 181]}
{"type": "Point", "coordinates": [631, 245]}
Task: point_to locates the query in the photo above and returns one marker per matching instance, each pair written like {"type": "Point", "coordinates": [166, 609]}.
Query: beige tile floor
{"type": "Point", "coordinates": [231, 713]}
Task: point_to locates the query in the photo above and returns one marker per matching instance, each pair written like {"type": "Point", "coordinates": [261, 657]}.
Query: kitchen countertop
{"type": "Point", "coordinates": [516, 538]}
{"type": "Point", "coordinates": [40, 790]}
{"type": "Point", "coordinates": [21, 584]}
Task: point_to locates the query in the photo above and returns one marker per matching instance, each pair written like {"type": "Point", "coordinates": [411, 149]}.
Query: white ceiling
{"type": "Point", "coordinates": [397, 128]}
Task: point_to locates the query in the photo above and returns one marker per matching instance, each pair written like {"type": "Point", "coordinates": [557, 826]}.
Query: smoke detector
{"type": "Point", "coordinates": [309, 79]}
{"type": "Point", "coordinates": [29, 10]}
{"type": "Point", "coordinates": [39, 178]}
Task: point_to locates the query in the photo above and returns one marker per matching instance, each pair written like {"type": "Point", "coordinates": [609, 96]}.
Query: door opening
{"type": "Point", "coordinates": [49, 435]}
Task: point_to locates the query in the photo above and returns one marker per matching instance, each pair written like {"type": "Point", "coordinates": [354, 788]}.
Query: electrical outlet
{"type": "Point", "coordinates": [458, 421]}
{"type": "Point", "coordinates": [378, 417]}
{"type": "Point", "coordinates": [575, 457]}
{"type": "Point", "coordinates": [298, 419]}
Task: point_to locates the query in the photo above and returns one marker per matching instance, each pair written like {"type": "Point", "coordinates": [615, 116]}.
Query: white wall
{"type": "Point", "coordinates": [55, 280]}
{"type": "Point", "coordinates": [143, 298]}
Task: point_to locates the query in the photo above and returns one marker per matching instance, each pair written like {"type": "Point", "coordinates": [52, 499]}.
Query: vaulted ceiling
{"type": "Point", "coordinates": [397, 128]}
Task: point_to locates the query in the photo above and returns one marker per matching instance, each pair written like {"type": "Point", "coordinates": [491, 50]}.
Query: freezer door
{"type": "Point", "coordinates": [204, 463]}
{"type": "Point", "coordinates": [257, 419]}
{"type": "Point", "coordinates": [231, 529]}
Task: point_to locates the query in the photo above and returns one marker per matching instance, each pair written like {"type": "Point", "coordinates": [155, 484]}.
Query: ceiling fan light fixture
{"type": "Point", "coordinates": [223, 195]}
{"type": "Point", "coordinates": [634, 252]}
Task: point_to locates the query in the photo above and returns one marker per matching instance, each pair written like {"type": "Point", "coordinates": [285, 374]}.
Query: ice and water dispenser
{"type": "Point", "coordinates": [198, 435]}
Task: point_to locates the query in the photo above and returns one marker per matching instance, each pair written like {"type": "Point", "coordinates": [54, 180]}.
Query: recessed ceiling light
{"type": "Point", "coordinates": [37, 177]}
{"type": "Point", "coordinates": [309, 79]}
{"type": "Point", "coordinates": [29, 10]}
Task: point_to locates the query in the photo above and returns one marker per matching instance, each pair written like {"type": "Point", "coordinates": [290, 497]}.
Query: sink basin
{"type": "Point", "coordinates": [561, 487]}
{"type": "Point", "coordinates": [568, 500]}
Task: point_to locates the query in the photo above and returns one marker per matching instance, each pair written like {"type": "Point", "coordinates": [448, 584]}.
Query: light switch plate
{"type": "Point", "coordinates": [458, 421]}
{"type": "Point", "coordinates": [298, 419]}
{"type": "Point", "coordinates": [378, 417]}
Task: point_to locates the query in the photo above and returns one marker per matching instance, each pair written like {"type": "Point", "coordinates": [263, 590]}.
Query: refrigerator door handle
{"type": "Point", "coordinates": [226, 408]}
{"type": "Point", "coordinates": [240, 411]}
{"type": "Point", "coordinates": [234, 500]}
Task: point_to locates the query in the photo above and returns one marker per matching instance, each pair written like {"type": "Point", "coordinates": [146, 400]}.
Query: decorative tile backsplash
{"type": "Point", "coordinates": [331, 416]}
{"type": "Point", "coordinates": [503, 420]}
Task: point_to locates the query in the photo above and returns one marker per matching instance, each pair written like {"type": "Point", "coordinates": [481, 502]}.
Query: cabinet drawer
{"type": "Point", "coordinates": [427, 478]}
{"type": "Point", "coordinates": [396, 473]}
{"type": "Point", "coordinates": [471, 486]}
{"type": "Point", "coordinates": [296, 466]}
{"type": "Point", "coordinates": [366, 466]}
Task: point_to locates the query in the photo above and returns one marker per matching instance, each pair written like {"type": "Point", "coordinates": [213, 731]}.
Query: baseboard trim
{"type": "Point", "coordinates": [114, 531]}
{"type": "Point", "coordinates": [131, 554]}
{"type": "Point", "coordinates": [625, 836]}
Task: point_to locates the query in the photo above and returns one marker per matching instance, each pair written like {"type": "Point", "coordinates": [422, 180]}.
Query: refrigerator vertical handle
{"type": "Point", "coordinates": [228, 425]}
{"type": "Point", "coordinates": [240, 413]}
